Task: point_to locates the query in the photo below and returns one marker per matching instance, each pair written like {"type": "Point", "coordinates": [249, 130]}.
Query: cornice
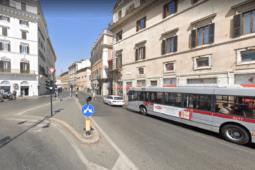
{"type": "Point", "coordinates": [19, 12]}
{"type": "Point", "coordinates": [242, 3]}
{"type": "Point", "coordinates": [121, 5]}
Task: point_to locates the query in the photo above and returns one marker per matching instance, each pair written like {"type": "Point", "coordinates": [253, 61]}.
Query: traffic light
{"type": "Point", "coordinates": [49, 85]}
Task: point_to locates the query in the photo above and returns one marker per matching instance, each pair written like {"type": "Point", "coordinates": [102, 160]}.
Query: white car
{"type": "Point", "coordinates": [114, 100]}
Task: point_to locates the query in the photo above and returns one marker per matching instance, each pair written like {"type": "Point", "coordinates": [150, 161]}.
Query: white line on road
{"type": "Point", "coordinates": [89, 165]}
{"type": "Point", "coordinates": [34, 108]}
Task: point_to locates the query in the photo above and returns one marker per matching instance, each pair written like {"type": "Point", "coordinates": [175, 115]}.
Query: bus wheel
{"type": "Point", "coordinates": [143, 110]}
{"type": "Point", "coordinates": [235, 134]}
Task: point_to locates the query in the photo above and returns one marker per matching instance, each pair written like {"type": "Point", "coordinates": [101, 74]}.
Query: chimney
{"type": "Point", "coordinates": [105, 30]}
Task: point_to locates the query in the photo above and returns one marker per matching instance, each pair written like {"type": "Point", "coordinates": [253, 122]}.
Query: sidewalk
{"type": "Point", "coordinates": [31, 97]}
{"type": "Point", "coordinates": [68, 114]}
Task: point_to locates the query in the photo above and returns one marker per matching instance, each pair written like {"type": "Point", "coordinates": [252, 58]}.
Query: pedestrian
{"type": "Point", "coordinates": [14, 93]}
{"type": "Point", "coordinates": [76, 93]}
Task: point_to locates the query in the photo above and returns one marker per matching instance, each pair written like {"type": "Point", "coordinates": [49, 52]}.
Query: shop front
{"type": "Point", "coordinates": [24, 88]}
{"type": "Point", "coordinates": [5, 86]}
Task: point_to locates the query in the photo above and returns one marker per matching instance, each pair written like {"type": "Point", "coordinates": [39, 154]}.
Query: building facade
{"type": "Point", "coordinates": [72, 71]}
{"type": "Point", "coordinates": [169, 43]}
{"type": "Point", "coordinates": [82, 79]}
{"type": "Point", "coordinates": [19, 56]}
{"type": "Point", "coordinates": [63, 81]}
{"type": "Point", "coordinates": [100, 54]}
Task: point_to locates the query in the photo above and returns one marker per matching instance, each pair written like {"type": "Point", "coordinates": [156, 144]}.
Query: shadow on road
{"type": "Point", "coordinates": [7, 140]}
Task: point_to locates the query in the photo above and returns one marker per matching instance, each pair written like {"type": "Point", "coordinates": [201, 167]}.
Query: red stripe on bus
{"type": "Point", "coordinates": [248, 85]}
{"type": "Point", "coordinates": [151, 103]}
{"type": "Point", "coordinates": [234, 118]}
{"type": "Point", "coordinates": [169, 86]}
{"type": "Point", "coordinates": [203, 112]}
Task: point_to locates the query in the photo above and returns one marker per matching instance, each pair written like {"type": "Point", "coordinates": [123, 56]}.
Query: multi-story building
{"type": "Point", "coordinates": [82, 79]}
{"type": "Point", "coordinates": [168, 43]}
{"type": "Point", "coordinates": [100, 54]}
{"type": "Point", "coordinates": [63, 81]}
{"type": "Point", "coordinates": [72, 71]}
{"type": "Point", "coordinates": [19, 56]}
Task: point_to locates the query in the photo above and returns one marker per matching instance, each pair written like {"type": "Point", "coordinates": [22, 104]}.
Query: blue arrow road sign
{"type": "Point", "coordinates": [87, 110]}
{"type": "Point", "coordinates": [72, 82]}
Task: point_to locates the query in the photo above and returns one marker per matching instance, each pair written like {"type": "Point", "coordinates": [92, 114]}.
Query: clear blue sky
{"type": "Point", "coordinates": [74, 26]}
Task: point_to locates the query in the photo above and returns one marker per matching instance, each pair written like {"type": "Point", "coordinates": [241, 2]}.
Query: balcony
{"type": "Point", "coordinates": [16, 71]}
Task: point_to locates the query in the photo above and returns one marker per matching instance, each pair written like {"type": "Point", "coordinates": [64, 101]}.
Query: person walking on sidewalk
{"type": "Point", "coordinates": [93, 96]}
{"type": "Point", "coordinates": [76, 93]}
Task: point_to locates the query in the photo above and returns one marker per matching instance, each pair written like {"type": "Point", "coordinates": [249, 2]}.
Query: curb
{"type": "Point", "coordinates": [76, 134]}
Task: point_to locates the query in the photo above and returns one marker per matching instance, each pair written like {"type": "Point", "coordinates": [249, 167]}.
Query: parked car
{"type": "Point", "coordinates": [8, 96]}
{"type": "Point", "coordinates": [114, 100]}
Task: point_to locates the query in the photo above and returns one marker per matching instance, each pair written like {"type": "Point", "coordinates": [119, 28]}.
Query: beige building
{"type": "Point", "coordinates": [82, 79]}
{"type": "Point", "coordinates": [164, 43]}
{"type": "Point", "coordinates": [63, 81]}
{"type": "Point", "coordinates": [100, 54]}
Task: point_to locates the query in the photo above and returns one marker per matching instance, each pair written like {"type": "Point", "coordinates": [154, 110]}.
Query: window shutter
{"type": "Point", "coordinates": [145, 22]}
{"type": "Point", "coordinates": [137, 22]}
{"type": "Point", "coordinates": [9, 47]}
{"type": "Point", "coordinates": [4, 31]}
{"type": "Point", "coordinates": [28, 67]}
{"type": "Point", "coordinates": [136, 54]}
{"type": "Point", "coordinates": [27, 23]}
{"type": "Point", "coordinates": [237, 23]}
{"type": "Point", "coordinates": [8, 2]}
{"type": "Point", "coordinates": [1, 17]}
{"type": "Point", "coordinates": [20, 47]}
{"type": "Point", "coordinates": [1, 64]}
{"type": "Point", "coordinates": [211, 33]}
{"type": "Point", "coordinates": [175, 6]}
{"type": "Point", "coordinates": [144, 52]}
{"type": "Point", "coordinates": [20, 21]}
{"type": "Point", "coordinates": [163, 47]}
{"type": "Point", "coordinates": [175, 43]}
{"type": "Point", "coordinates": [1, 46]}
{"type": "Point", "coordinates": [164, 11]}
{"type": "Point", "coordinates": [9, 65]}
{"type": "Point", "coordinates": [21, 66]}
{"type": "Point", "coordinates": [193, 38]}
{"type": "Point", "coordinates": [8, 19]}
{"type": "Point", "coordinates": [27, 49]}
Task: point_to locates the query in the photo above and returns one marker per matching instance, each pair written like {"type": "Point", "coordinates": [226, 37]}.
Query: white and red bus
{"type": "Point", "coordinates": [228, 111]}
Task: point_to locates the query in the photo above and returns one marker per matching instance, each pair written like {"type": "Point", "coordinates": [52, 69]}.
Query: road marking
{"type": "Point", "coordinates": [34, 108]}
{"type": "Point", "coordinates": [123, 159]}
{"type": "Point", "coordinates": [89, 165]}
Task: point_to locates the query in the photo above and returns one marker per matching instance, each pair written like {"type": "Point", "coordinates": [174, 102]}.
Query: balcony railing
{"type": "Point", "coordinates": [17, 71]}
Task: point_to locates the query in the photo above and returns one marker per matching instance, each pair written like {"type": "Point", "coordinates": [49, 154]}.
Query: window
{"type": "Point", "coordinates": [4, 18]}
{"type": "Point", "coordinates": [202, 62]}
{"type": "Point", "coordinates": [132, 96]}
{"type": "Point", "coordinates": [5, 2]}
{"type": "Point", "coordinates": [140, 96]}
{"type": "Point", "coordinates": [173, 99]}
{"type": "Point", "coordinates": [5, 46]}
{"type": "Point", "coordinates": [154, 83]}
{"type": "Point", "coordinates": [249, 22]}
{"type": "Point", "coordinates": [235, 105]}
{"type": "Point", "coordinates": [5, 64]}
{"type": "Point", "coordinates": [4, 31]}
{"type": "Point", "coordinates": [23, 22]}
{"type": "Point", "coordinates": [23, 6]}
{"type": "Point", "coordinates": [248, 56]}
{"type": "Point", "coordinates": [204, 35]}
{"type": "Point", "coordinates": [119, 35]}
{"type": "Point", "coordinates": [119, 61]}
{"type": "Point", "coordinates": [24, 35]}
{"type": "Point", "coordinates": [146, 96]}
{"type": "Point", "coordinates": [169, 67]}
{"type": "Point", "coordinates": [119, 15]}
{"type": "Point", "coordinates": [141, 24]}
{"type": "Point", "coordinates": [141, 70]}
{"type": "Point", "coordinates": [142, 1]}
{"type": "Point", "coordinates": [200, 102]}
{"type": "Point", "coordinates": [24, 66]}
{"type": "Point", "coordinates": [170, 8]}
{"type": "Point", "coordinates": [100, 56]}
{"type": "Point", "coordinates": [156, 98]}
{"type": "Point", "coordinates": [24, 49]}
{"type": "Point", "coordinates": [169, 45]}
{"type": "Point", "coordinates": [140, 53]}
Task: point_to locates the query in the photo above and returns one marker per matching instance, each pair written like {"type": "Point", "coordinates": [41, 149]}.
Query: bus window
{"type": "Point", "coordinates": [159, 98]}
{"type": "Point", "coordinates": [134, 96]}
{"type": "Point", "coordinates": [173, 99]}
{"type": "Point", "coordinates": [130, 96]}
{"type": "Point", "coordinates": [152, 97]}
{"type": "Point", "coordinates": [195, 101]}
{"type": "Point", "coordinates": [140, 96]}
{"type": "Point", "coordinates": [146, 96]}
{"type": "Point", "coordinates": [234, 105]}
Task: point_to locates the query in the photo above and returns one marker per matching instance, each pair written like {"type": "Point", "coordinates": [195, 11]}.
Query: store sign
{"type": "Point", "coordinates": [173, 111]}
{"type": "Point", "coordinates": [16, 86]}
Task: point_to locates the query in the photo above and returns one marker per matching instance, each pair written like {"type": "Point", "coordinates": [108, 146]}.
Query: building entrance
{"type": "Point", "coordinates": [24, 91]}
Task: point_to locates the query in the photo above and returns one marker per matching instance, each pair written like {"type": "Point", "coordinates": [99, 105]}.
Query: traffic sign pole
{"type": "Point", "coordinates": [51, 102]}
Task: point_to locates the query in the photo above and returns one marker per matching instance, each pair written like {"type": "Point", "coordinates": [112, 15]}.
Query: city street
{"type": "Point", "coordinates": [29, 141]}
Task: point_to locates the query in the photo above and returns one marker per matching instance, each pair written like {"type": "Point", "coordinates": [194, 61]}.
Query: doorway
{"type": "Point", "coordinates": [24, 91]}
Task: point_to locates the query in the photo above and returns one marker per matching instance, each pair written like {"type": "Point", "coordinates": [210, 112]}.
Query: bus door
{"type": "Point", "coordinates": [132, 100]}
{"type": "Point", "coordinates": [201, 106]}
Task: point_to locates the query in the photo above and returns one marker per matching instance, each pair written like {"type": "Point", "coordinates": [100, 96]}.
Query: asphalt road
{"type": "Point", "coordinates": [155, 143]}
{"type": "Point", "coordinates": [29, 144]}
